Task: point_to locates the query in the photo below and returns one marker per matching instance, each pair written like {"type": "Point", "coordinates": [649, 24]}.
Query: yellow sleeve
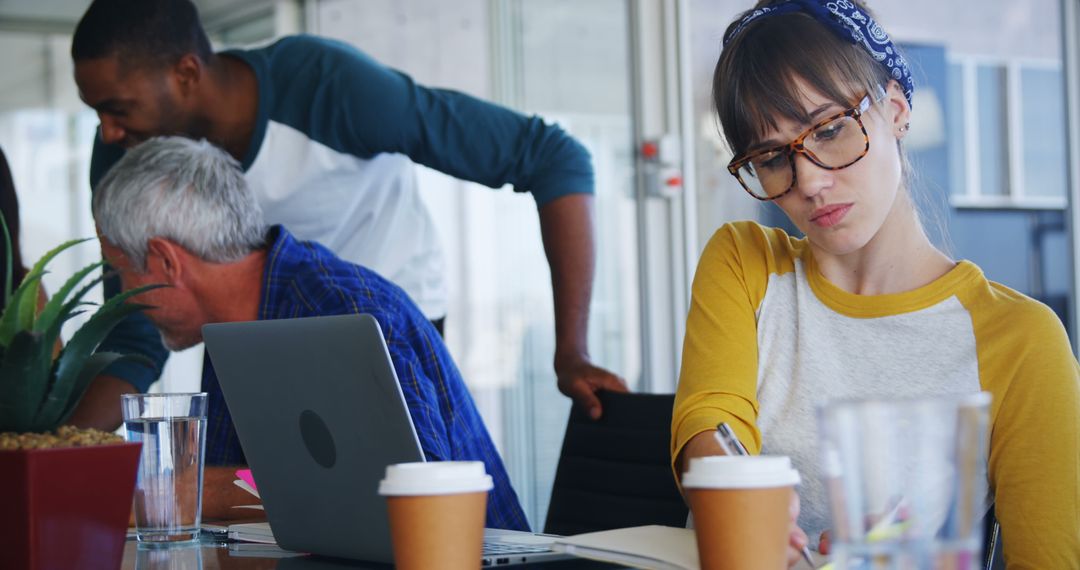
{"type": "Point", "coordinates": [718, 377]}
{"type": "Point", "coordinates": [1026, 362]}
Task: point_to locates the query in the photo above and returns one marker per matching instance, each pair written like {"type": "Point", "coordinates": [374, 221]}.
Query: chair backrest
{"type": "Point", "coordinates": [615, 472]}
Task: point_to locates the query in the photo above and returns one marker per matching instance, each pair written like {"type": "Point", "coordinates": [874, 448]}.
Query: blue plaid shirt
{"type": "Point", "coordinates": [304, 279]}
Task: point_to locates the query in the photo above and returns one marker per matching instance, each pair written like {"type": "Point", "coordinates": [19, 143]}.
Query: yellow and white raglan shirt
{"type": "Point", "coordinates": [768, 339]}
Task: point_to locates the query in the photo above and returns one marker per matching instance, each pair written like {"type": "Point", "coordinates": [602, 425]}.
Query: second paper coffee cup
{"type": "Point", "coordinates": [741, 510]}
{"type": "Point", "coordinates": [437, 513]}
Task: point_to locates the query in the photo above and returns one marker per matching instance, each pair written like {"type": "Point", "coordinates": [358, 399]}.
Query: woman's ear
{"type": "Point", "coordinates": [897, 109]}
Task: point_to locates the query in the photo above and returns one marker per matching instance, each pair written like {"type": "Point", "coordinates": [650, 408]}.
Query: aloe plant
{"type": "Point", "coordinates": [37, 391]}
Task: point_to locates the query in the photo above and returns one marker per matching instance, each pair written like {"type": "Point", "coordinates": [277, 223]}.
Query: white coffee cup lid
{"type": "Point", "coordinates": [435, 478]}
{"type": "Point", "coordinates": [740, 472]}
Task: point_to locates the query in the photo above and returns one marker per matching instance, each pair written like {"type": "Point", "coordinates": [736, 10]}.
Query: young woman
{"type": "Point", "coordinates": [815, 101]}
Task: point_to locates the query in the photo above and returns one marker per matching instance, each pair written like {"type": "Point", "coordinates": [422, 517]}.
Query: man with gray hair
{"type": "Point", "coordinates": [178, 212]}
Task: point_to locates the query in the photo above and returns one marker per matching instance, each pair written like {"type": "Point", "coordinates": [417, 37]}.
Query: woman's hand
{"type": "Point", "coordinates": [797, 539]}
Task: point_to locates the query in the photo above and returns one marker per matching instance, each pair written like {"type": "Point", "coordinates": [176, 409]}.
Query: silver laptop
{"type": "Point", "coordinates": [320, 414]}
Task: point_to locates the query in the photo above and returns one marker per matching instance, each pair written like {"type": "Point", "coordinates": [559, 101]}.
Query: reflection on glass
{"type": "Point", "coordinates": [573, 68]}
{"type": "Point", "coordinates": [720, 198]}
{"type": "Point", "coordinates": [177, 557]}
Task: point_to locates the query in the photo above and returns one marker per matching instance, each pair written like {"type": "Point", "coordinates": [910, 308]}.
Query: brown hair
{"type": "Point", "coordinates": [756, 77]}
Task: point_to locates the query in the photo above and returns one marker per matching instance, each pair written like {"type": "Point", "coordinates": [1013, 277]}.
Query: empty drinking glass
{"type": "Point", "coordinates": [906, 481]}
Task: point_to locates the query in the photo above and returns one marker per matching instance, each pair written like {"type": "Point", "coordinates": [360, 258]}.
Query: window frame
{"type": "Point", "coordinates": [1015, 197]}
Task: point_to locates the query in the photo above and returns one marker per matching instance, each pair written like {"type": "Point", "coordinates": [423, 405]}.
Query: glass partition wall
{"type": "Point", "coordinates": [45, 133]}
{"type": "Point", "coordinates": [1071, 41]}
{"type": "Point", "coordinates": [568, 61]}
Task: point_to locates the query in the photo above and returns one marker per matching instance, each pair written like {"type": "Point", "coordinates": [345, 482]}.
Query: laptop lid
{"type": "Point", "coordinates": [320, 414]}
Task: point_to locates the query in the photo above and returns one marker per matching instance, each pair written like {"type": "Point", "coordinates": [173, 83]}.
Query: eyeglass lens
{"type": "Point", "coordinates": [833, 145]}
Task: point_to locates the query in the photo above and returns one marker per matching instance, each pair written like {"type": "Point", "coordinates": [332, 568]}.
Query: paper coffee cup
{"type": "Point", "coordinates": [437, 513]}
{"type": "Point", "coordinates": [741, 510]}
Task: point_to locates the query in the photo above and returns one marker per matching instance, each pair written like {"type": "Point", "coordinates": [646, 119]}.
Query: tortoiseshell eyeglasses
{"type": "Point", "coordinates": [834, 143]}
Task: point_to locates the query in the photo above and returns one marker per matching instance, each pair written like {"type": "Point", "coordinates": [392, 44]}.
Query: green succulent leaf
{"type": "Point", "coordinates": [57, 305]}
{"type": "Point", "coordinates": [68, 311]}
{"type": "Point", "coordinates": [24, 371]}
{"type": "Point", "coordinates": [9, 321]}
{"type": "Point", "coordinates": [86, 340]}
{"type": "Point", "coordinates": [28, 302]}
{"type": "Point", "coordinates": [65, 387]}
{"type": "Point", "coordinates": [76, 299]}
{"type": "Point", "coordinates": [22, 304]}
{"type": "Point", "coordinates": [68, 383]}
{"type": "Point", "coordinates": [94, 365]}
{"type": "Point", "coordinates": [36, 392]}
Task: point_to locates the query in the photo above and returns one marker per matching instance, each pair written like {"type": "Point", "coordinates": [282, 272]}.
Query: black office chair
{"type": "Point", "coordinates": [616, 472]}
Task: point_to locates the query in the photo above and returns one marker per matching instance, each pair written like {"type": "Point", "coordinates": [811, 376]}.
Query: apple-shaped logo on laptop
{"type": "Point", "coordinates": [317, 439]}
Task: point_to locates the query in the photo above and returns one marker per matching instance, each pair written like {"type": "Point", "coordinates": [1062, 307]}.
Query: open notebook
{"type": "Point", "coordinates": [650, 547]}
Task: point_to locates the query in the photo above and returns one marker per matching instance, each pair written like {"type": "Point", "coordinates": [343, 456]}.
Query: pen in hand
{"type": "Point", "coordinates": [728, 441]}
{"type": "Point", "coordinates": [731, 445]}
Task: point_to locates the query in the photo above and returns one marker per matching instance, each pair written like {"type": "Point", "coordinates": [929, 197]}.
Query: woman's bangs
{"type": "Point", "coordinates": [761, 75]}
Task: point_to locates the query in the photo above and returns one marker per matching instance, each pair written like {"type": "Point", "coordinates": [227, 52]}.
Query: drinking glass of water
{"type": "Point", "coordinates": [168, 493]}
{"type": "Point", "coordinates": [906, 481]}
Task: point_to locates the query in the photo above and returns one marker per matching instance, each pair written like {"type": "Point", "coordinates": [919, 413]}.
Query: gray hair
{"type": "Point", "coordinates": [190, 192]}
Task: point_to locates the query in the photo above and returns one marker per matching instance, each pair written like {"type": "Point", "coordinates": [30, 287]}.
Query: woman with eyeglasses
{"type": "Point", "coordinates": [815, 101]}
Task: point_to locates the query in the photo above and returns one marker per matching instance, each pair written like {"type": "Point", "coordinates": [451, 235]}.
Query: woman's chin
{"type": "Point", "coordinates": [838, 242]}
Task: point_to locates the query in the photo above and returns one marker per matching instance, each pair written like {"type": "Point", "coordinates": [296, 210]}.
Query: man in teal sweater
{"type": "Point", "coordinates": [327, 138]}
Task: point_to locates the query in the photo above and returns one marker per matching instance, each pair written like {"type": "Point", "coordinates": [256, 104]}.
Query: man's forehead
{"type": "Point", "coordinates": [112, 73]}
{"type": "Point", "coordinates": [97, 80]}
{"type": "Point", "coordinates": [99, 68]}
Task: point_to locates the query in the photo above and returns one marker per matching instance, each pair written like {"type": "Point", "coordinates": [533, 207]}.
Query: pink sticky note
{"type": "Point", "coordinates": [245, 476]}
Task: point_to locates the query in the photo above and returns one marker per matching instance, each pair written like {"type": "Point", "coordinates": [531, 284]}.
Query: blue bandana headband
{"type": "Point", "coordinates": [848, 22]}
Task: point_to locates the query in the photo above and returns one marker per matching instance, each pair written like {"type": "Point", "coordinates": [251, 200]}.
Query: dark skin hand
{"type": "Point", "coordinates": [581, 380]}
{"type": "Point", "coordinates": [566, 225]}
{"type": "Point", "coordinates": [100, 405]}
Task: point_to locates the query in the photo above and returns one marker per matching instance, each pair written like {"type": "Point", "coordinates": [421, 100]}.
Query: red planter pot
{"type": "Point", "coordinates": [66, 508]}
